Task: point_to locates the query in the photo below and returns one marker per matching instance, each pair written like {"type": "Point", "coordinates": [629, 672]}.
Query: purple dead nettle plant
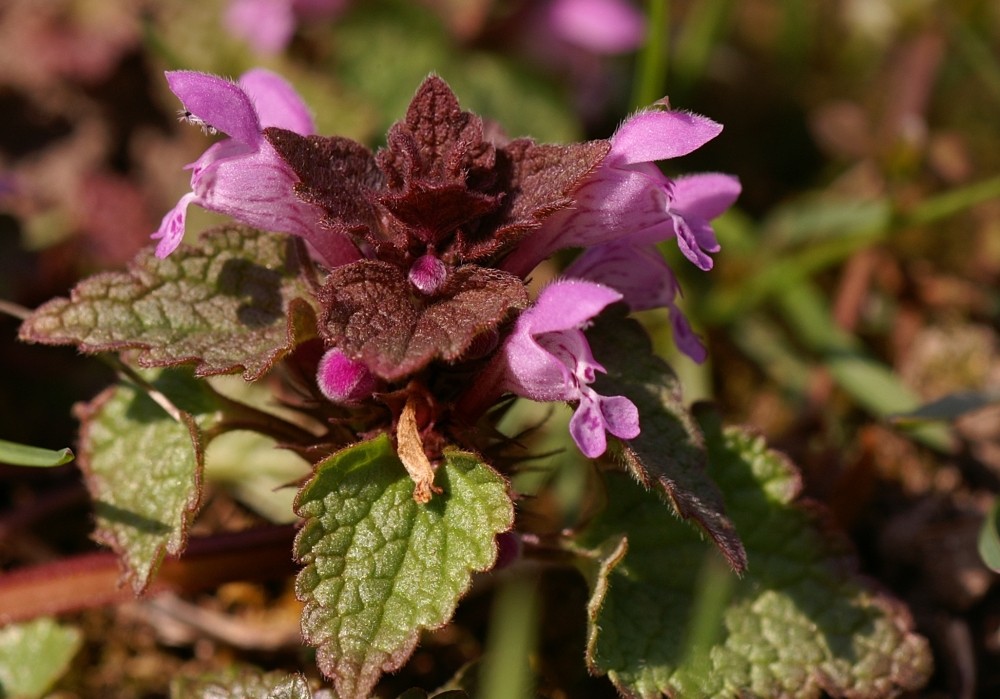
{"type": "Point", "coordinates": [429, 243]}
{"type": "Point", "coordinates": [385, 297]}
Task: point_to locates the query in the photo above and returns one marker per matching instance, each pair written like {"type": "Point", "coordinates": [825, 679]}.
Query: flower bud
{"type": "Point", "coordinates": [342, 379]}
{"type": "Point", "coordinates": [428, 274]}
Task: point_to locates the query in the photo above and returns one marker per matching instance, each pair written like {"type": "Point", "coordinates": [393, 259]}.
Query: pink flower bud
{"type": "Point", "coordinates": [428, 274]}
{"type": "Point", "coordinates": [342, 379]}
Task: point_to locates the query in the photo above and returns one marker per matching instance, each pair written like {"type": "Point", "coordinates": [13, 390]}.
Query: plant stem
{"type": "Point", "coordinates": [92, 579]}
{"type": "Point", "coordinates": [651, 65]}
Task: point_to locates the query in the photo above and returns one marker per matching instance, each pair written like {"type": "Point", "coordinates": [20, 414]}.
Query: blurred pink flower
{"type": "Point", "coordinates": [599, 26]}
{"type": "Point", "coordinates": [268, 25]}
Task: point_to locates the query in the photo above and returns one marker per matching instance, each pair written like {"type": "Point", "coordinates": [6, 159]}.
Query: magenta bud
{"type": "Point", "coordinates": [342, 379]}
{"type": "Point", "coordinates": [428, 275]}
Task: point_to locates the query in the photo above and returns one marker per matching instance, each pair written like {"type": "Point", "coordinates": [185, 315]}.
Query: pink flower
{"type": "Point", "coordinates": [268, 25]}
{"type": "Point", "coordinates": [547, 358]}
{"type": "Point", "coordinates": [628, 205]}
{"type": "Point", "coordinates": [243, 176]}
{"type": "Point", "coordinates": [599, 26]}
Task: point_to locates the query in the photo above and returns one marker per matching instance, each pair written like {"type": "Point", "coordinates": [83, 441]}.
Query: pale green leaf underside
{"type": "Point", "coordinates": [378, 566]}
{"type": "Point", "coordinates": [34, 655]}
{"type": "Point", "coordinates": [143, 469]}
{"type": "Point", "coordinates": [798, 623]}
{"type": "Point", "coordinates": [234, 303]}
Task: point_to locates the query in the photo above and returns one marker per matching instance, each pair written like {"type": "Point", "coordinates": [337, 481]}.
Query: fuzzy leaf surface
{"type": "Point", "coordinates": [143, 468]}
{"type": "Point", "coordinates": [379, 567]}
{"type": "Point", "coordinates": [245, 683]}
{"type": "Point", "coordinates": [800, 622]}
{"type": "Point", "coordinates": [34, 655]}
{"type": "Point", "coordinates": [236, 303]}
{"type": "Point", "coordinates": [669, 454]}
{"type": "Point", "coordinates": [371, 314]}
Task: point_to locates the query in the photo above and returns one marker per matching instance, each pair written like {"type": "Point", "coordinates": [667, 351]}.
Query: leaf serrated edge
{"type": "Point", "coordinates": [300, 326]}
{"type": "Point", "coordinates": [404, 650]}
{"type": "Point", "coordinates": [597, 567]}
{"type": "Point", "coordinates": [86, 412]}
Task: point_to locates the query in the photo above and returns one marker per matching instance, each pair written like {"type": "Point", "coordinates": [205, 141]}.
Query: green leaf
{"type": "Point", "coordinates": [378, 566]}
{"type": "Point", "coordinates": [243, 683]}
{"type": "Point", "coordinates": [868, 381]}
{"type": "Point", "coordinates": [989, 538]}
{"type": "Point", "coordinates": [235, 303]}
{"type": "Point", "coordinates": [799, 623]}
{"type": "Point", "coordinates": [669, 453]}
{"type": "Point", "coordinates": [23, 455]}
{"type": "Point", "coordinates": [950, 407]}
{"type": "Point", "coordinates": [143, 468]}
{"type": "Point", "coordinates": [34, 655]}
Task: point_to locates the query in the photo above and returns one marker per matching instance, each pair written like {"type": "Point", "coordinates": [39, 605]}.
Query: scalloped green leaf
{"type": "Point", "coordinates": [800, 622]}
{"type": "Point", "coordinates": [236, 303]}
{"type": "Point", "coordinates": [245, 683]}
{"type": "Point", "coordinates": [669, 454]}
{"type": "Point", "coordinates": [379, 567]}
{"type": "Point", "coordinates": [22, 646]}
{"type": "Point", "coordinates": [143, 467]}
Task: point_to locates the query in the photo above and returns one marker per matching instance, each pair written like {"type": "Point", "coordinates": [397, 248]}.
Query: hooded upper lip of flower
{"type": "Point", "coordinates": [243, 176]}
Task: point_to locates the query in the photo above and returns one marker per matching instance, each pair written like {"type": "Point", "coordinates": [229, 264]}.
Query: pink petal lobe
{"type": "Point", "coordinates": [171, 230]}
{"type": "Point", "coordinates": [621, 417]}
{"type": "Point", "coordinates": [277, 102]}
{"type": "Point", "coordinates": [639, 273]}
{"type": "Point", "coordinates": [706, 195]}
{"type": "Point", "coordinates": [586, 427]}
{"type": "Point", "coordinates": [659, 135]}
{"type": "Point", "coordinates": [568, 303]}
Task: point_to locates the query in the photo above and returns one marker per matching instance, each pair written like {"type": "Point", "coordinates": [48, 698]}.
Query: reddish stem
{"type": "Point", "coordinates": [94, 579]}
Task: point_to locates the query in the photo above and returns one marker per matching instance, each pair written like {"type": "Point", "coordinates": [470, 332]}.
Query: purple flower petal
{"type": "Point", "coordinates": [171, 230]}
{"type": "Point", "coordinates": [705, 195]}
{"type": "Point", "coordinates": [219, 103]}
{"type": "Point", "coordinates": [640, 274]}
{"type": "Point", "coordinates": [660, 135]}
{"type": "Point", "coordinates": [566, 304]}
{"type": "Point", "coordinates": [586, 427]}
{"type": "Point", "coordinates": [277, 102]}
{"type": "Point", "coordinates": [645, 281]}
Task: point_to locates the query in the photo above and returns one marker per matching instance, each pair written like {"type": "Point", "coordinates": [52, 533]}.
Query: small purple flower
{"type": "Point", "coordinates": [547, 358]}
{"type": "Point", "coordinates": [243, 176]}
{"type": "Point", "coordinates": [268, 25]}
{"type": "Point", "coordinates": [628, 205]}
{"type": "Point", "coordinates": [629, 197]}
